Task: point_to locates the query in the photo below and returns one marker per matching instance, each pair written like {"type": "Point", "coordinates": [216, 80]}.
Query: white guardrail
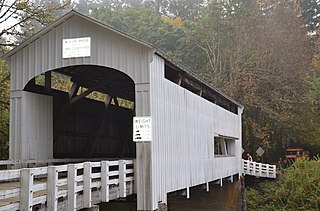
{"type": "Point", "coordinates": [22, 189]}
{"type": "Point", "coordinates": [258, 169]}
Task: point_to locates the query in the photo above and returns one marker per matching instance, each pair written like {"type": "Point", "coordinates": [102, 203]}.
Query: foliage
{"type": "Point", "coordinates": [184, 9]}
{"type": "Point", "coordinates": [310, 12]}
{"type": "Point", "coordinates": [20, 19]}
{"type": "Point", "coordinates": [145, 24]}
{"type": "Point", "coordinates": [4, 110]}
{"type": "Point", "coordinates": [297, 189]}
{"type": "Point", "coordinates": [258, 53]}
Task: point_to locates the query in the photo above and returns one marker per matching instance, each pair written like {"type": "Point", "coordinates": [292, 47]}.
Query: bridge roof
{"type": "Point", "coordinates": [195, 80]}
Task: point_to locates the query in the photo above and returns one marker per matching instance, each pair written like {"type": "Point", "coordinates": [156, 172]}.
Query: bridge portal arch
{"type": "Point", "coordinates": [116, 66]}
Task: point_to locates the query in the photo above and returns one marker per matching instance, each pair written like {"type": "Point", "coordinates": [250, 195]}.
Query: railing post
{"type": "Point", "coordinates": [243, 162]}
{"type": "Point", "coordinates": [247, 166]}
{"type": "Point", "coordinates": [104, 181]}
{"type": "Point", "coordinates": [26, 192]}
{"type": "Point", "coordinates": [253, 167]}
{"type": "Point", "coordinates": [268, 170]}
{"type": "Point", "coordinates": [122, 178]}
{"type": "Point", "coordinates": [87, 185]}
{"type": "Point", "coordinates": [72, 184]}
{"type": "Point", "coordinates": [260, 169]}
{"type": "Point", "coordinates": [52, 185]}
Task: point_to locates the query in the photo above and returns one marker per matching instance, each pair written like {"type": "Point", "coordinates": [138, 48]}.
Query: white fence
{"type": "Point", "coordinates": [258, 169]}
{"type": "Point", "coordinates": [71, 187]}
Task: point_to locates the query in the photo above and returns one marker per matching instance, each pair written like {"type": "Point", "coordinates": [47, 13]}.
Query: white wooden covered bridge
{"type": "Point", "coordinates": [106, 78]}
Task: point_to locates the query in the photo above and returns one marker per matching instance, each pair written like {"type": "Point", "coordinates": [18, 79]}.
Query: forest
{"type": "Point", "coordinates": [263, 53]}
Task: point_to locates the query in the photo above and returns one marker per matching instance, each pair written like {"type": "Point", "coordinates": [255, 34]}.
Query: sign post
{"type": "Point", "coordinates": [142, 129]}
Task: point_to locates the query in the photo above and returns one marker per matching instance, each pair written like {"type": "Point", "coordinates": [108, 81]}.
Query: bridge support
{"type": "Point", "coordinates": [188, 193]}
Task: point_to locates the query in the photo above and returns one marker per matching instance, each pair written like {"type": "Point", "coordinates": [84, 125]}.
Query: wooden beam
{"type": "Point", "coordinates": [80, 96]}
{"type": "Point", "coordinates": [47, 80]}
{"type": "Point", "coordinates": [193, 84]}
{"type": "Point", "coordinates": [180, 80]}
{"type": "Point", "coordinates": [108, 100]}
{"type": "Point", "coordinates": [200, 92]}
{"type": "Point", "coordinates": [115, 100]}
{"type": "Point", "coordinates": [73, 90]}
{"type": "Point", "coordinates": [118, 91]}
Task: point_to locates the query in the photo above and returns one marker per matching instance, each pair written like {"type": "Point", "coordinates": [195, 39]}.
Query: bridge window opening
{"type": "Point", "coordinates": [196, 86]}
{"type": "Point", "coordinates": [93, 109]}
{"type": "Point", "coordinates": [40, 80]}
{"type": "Point", "coordinates": [224, 147]}
{"type": "Point", "coordinates": [60, 82]}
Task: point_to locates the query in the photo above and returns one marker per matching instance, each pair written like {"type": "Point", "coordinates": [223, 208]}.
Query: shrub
{"type": "Point", "coordinates": [298, 188]}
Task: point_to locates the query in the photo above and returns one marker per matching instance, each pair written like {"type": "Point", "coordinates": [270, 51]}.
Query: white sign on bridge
{"type": "Point", "coordinates": [76, 47]}
{"type": "Point", "coordinates": [142, 129]}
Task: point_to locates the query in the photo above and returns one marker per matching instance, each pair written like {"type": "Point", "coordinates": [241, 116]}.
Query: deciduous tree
{"type": "Point", "coordinates": [19, 18]}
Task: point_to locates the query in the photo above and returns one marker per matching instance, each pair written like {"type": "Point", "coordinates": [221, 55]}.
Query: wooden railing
{"type": "Point", "coordinates": [258, 169]}
{"type": "Point", "coordinates": [71, 187]}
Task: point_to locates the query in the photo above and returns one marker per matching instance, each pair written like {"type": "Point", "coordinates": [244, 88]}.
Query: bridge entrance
{"type": "Point", "coordinates": [92, 111]}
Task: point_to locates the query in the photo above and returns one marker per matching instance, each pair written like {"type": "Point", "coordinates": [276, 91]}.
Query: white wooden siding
{"type": "Point", "coordinates": [32, 123]}
{"type": "Point", "coordinates": [108, 49]}
{"type": "Point", "coordinates": [37, 120]}
{"type": "Point", "coordinates": [184, 126]}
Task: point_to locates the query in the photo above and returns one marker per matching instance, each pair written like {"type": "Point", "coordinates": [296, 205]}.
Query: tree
{"type": "Point", "coordinates": [4, 110]}
{"type": "Point", "coordinates": [311, 13]}
{"type": "Point", "coordinates": [258, 53]}
{"type": "Point", "coordinates": [145, 24]}
{"type": "Point", "coordinates": [18, 19]}
{"type": "Point", "coordinates": [185, 9]}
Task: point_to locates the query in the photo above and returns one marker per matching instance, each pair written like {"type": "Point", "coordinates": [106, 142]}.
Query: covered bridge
{"type": "Point", "coordinates": [76, 86]}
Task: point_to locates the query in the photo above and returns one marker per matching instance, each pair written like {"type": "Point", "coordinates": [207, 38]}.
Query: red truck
{"type": "Point", "coordinates": [293, 153]}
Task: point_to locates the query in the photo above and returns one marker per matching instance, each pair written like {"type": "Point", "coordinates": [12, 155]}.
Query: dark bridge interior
{"type": "Point", "coordinates": [93, 108]}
